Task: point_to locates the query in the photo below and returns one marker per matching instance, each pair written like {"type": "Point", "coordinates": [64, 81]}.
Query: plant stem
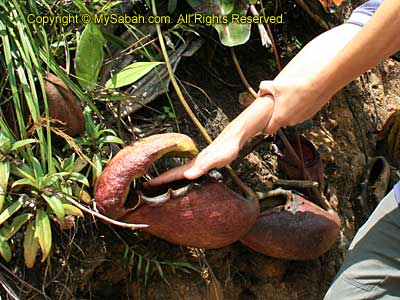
{"type": "Point", "coordinates": [175, 83]}
{"type": "Point", "coordinates": [103, 217]}
{"type": "Point", "coordinates": [189, 111]}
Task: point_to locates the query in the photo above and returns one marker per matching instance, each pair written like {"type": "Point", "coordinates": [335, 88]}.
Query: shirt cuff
{"type": "Point", "coordinates": [359, 19]}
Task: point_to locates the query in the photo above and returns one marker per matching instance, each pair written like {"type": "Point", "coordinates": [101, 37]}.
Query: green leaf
{"type": "Point", "coordinates": [139, 266]}
{"type": "Point", "coordinates": [147, 272]}
{"type": "Point", "coordinates": [111, 139]}
{"type": "Point", "coordinates": [37, 168]}
{"type": "Point", "coordinates": [160, 271]}
{"type": "Point", "coordinates": [74, 176]}
{"type": "Point", "coordinates": [79, 164]}
{"type": "Point", "coordinates": [81, 6]}
{"type": "Point", "coordinates": [4, 176]}
{"type": "Point", "coordinates": [72, 210]}
{"type": "Point", "coordinates": [89, 56]}
{"type": "Point", "coordinates": [172, 6]}
{"type": "Point", "coordinates": [89, 124]}
{"type": "Point", "coordinates": [186, 265]}
{"type": "Point", "coordinates": [5, 250]}
{"type": "Point", "coordinates": [96, 172]}
{"type": "Point", "coordinates": [23, 171]}
{"type": "Point", "coordinates": [232, 33]}
{"type": "Point", "coordinates": [43, 233]}
{"type": "Point", "coordinates": [56, 205]}
{"type": "Point", "coordinates": [5, 143]}
{"type": "Point", "coordinates": [16, 225]}
{"type": "Point", "coordinates": [9, 211]}
{"type": "Point", "coordinates": [131, 73]}
{"type": "Point", "coordinates": [78, 177]}
{"type": "Point", "coordinates": [213, 7]}
{"type": "Point", "coordinates": [31, 245]}
{"type": "Point", "coordinates": [25, 181]}
{"type": "Point", "coordinates": [48, 180]}
{"type": "Point", "coordinates": [22, 143]}
{"type": "Point", "coordinates": [131, 260]}
{"type": "Point", "coordinates": [67, 165]}
{"type": "Point", "coordinates": [103, 131]}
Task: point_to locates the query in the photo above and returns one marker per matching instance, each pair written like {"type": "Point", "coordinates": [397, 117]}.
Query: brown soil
{"type": "Point", "coordinates": [343, 132]}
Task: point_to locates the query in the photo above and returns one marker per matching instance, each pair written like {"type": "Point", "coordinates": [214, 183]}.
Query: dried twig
{"type": "Point", "coordinates": [316, 18]}
{"type": "Point", "coordinates": [265, 39]}
{"type": "Point", "coordinates": [103, 217]}
{"type": "Point", "coordinates": [272, 40]}
{"type": "Point", "coordinates": [301, 184]}
{"type": "Point", "coordinates": [7, 288]}
{"type": "Point", "coordinates": [23, 282]}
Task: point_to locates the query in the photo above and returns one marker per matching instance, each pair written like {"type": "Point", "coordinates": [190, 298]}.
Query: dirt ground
{"type": "Point", "coordinates": [97, 263]}
{"type": "Point", "coordinates": [344, 131]}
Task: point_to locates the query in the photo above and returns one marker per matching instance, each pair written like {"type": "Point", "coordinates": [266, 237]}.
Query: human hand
{"type": "Point", "coordinates": [217, 155]}
{"type": "Point", "coordinates": [302, 87]}
{"type": "Point", "coordinates": [295, 102]}
{"type": "Point", "coordinates": [226, 146]}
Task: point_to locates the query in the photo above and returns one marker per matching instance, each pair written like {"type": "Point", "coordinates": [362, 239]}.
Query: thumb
{"type": "Point", "coordinates": [273, 126]}
{"type": "Point", "coordinates": [266, 88]}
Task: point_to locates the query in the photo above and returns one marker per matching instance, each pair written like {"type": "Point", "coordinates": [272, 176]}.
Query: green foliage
{"type": "Point", "coordinates": [43, 233]}
{"type": "Point", "coordinates": [31, 245]}
{"type": "Point", "coordinates": [143, 266]}
{"type": "Point", "coordinates": [94, 143]}
{"type": "Point", "coordinates": [172, 5]}
{"type": "Point", "coordinates": [131, 73]}
{"type": "Point", "coordinates": [89, 56]}
{"type": "Point", "coordinates": [34, 181]}
{"type": "Point", "coordinates": [168, 113]}
{"type": "Point", "coordinates": [36, 177]}
{"type": "Point", "coordinates": [96, 136]}
{"type": "Point", "coordinates": [298, 44]}
{"type": "Point", "coordinates": [232, 33]}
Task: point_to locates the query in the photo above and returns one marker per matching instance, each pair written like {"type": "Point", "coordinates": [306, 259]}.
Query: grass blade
{"type": "Point", "coordinates": [4, 176]}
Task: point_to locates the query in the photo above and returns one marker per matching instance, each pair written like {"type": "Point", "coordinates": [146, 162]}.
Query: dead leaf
{"type": "Point", "coordinates": [245, 99]}
{"type": "Point", "coordinates": [64, 106]}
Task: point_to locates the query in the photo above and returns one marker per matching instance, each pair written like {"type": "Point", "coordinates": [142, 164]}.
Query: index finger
{"type": "Point", "coordinates": [170, 175]}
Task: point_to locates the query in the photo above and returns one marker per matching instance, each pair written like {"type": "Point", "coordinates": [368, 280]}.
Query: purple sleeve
{"type": "Point", "coordinates": [361, 14]}
{"type": "Point", "coordinates": [369, 7]}
{"type": "Point", "coordinates": [397, 192]}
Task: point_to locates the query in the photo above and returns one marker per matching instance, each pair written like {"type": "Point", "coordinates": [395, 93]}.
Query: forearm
{"type": "Point", "coordinates": [378, 39]}
{"type": "Point", "coordinates": [251, 121]}
{"type": "Point", "coordinates": [318, 53]}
